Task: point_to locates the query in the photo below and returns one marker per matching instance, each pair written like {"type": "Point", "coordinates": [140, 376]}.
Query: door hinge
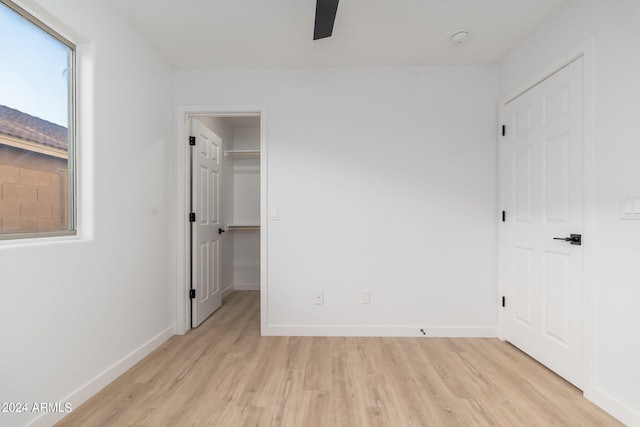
{"type": "Point", "coordinates": [504, 301]}
{"type": "Point", "coordinates": [192, 140]}
{"type": "Point", "coordinates": [192, 293]}
{"type": "Point", "coordinates": [504, 216]}
{"type": "Point", "coordinates": [504, 130]}
{"type": "Point", "coordinates": [192, 217]}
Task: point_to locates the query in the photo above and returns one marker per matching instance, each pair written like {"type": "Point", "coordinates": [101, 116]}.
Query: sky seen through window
{"type": "Point", "coordinates": [33, 70]}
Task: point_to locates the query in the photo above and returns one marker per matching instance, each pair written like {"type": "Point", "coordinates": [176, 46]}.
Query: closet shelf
{"type": "Point", "coordinates": [236, 227]}
{"type": "Point", "coordinates": [242, 153]}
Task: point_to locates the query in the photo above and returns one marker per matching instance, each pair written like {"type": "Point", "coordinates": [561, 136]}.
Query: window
{"type": "Point", "coordinates": [37, 138]}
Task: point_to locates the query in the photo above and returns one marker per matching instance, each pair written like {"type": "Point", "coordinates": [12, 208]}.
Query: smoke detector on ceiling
{"type": "Point", "coordinates": [459, 36]}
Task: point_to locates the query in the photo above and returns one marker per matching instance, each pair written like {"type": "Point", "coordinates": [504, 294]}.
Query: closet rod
{"type": "Point", "coordinates": [242, 153]}
{"type": "Point", "coordinates": [242, 227]}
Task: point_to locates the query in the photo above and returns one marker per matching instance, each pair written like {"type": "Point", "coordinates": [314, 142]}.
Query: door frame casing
{"type": "Point", "coordinates": [182, 190]}
{"type": "Point", "coordinates": [586, 51]}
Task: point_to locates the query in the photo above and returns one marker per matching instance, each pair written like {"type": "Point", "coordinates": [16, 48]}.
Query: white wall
{"type": "Point", "coordinates": [385, 179]}
{"type": "Point", "coordinates": [246, 175]}
{"type": "Point", "coordinates": [76, 313]}
{"type": "Point", "coordinates": [616, 27]}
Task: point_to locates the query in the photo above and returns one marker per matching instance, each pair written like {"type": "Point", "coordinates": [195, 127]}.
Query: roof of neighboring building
{"type": "Point", "coordinates": [29, 128]}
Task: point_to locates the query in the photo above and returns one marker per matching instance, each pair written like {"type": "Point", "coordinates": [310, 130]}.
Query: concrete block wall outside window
{"type": "Point", "coordinates": [33, 192]}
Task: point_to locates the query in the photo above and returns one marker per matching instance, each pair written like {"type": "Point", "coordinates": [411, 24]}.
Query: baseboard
{"type": "Point", "coordinates": [86, 391]}
{"type": "Point", "coordinates": [240, 287]}
{"type": "Point", "coordinates": [226, 291]}
{"type": "Point", "coordinates": [614, 407]}
{"type": "Point", "coordinates": [246, 286]}
{"type": "Point", "coordinates": [379, 331]}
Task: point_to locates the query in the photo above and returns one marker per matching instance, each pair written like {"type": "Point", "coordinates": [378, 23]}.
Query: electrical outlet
{"type": "Point", "coordinates": [318, 297]}
{"type": "Point", "coordinates": [630, 208]}
{"type": "Point", "coordinates": [365, 296]}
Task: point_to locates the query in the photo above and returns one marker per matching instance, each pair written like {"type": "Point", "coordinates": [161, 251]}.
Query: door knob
{"type": "Point", "coordinates": [574, 239]}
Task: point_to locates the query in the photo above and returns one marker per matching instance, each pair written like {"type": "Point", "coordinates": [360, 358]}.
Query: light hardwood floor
{"type": "Point", "coordinates": [224, 374]}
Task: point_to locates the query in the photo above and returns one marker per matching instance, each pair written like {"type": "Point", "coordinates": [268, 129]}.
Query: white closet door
{"type": "Point", "coordinates": [542, 157]}
{"type": "Point", "coordinates": [205, 250]}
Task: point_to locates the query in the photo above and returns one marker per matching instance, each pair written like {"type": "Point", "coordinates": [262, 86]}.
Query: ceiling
{"type": "Point", "coordinates": [278, 33]}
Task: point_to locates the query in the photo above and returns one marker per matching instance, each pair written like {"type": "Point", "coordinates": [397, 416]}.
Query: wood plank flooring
{"type": "Point", "coordinates": [224, 374]}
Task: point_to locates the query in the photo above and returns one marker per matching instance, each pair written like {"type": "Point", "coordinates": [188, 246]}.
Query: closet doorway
{"type": "Point", "coordinates": [221, 245]}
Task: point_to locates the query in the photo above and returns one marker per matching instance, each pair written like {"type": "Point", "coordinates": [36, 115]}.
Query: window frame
{"type": "Point", "coordinates": [72, 210]}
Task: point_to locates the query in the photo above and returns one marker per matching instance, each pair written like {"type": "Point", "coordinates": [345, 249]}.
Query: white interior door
{"type": "Point", "coordinates": [542, 194]}
{"type": "Point", "coordinates": [205, 199]}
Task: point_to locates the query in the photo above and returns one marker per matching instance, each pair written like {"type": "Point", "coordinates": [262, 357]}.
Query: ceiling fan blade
{"type": "Point", "coordinates": [325, 17]}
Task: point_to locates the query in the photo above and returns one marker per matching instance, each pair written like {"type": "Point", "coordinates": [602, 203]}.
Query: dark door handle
{"type": "Point", "coordinates": [221, 230]}
{"type": "Point", "coordinates": [574, 239]}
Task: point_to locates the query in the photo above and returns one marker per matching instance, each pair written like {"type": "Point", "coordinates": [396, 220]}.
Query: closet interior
{"type": "Point", "coordinates": [239, 201]}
